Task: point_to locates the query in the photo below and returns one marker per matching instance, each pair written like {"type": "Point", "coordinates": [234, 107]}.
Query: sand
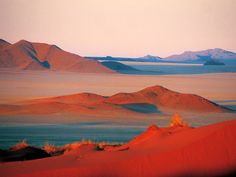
{"type": "Point", "coordinates": [178, 150]}
{"type": "Point", "coordinates": [22, 85]}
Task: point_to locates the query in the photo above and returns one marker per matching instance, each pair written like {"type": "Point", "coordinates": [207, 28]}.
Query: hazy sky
{"type": "Point", "coordinates": [122, 27]}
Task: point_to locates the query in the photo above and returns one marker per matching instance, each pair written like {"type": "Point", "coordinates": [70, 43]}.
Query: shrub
{"type": "Point", "coordinates": [22, 144]}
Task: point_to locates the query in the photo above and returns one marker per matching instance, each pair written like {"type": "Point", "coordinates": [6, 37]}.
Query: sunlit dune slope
{"type": "Point", "coordinates": [178, 150]}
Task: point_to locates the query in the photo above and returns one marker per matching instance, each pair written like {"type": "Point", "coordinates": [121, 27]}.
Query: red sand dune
{"type": "Point", "coordinates": [149, 100]}
{"type": "Point", "coordinates": [28, 55]}
{"type": "Point", "coordinates": [172, 151]}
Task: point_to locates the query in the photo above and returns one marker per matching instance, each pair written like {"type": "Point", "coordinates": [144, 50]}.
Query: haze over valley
{"type": "Point", "coordinates": [122, 88]}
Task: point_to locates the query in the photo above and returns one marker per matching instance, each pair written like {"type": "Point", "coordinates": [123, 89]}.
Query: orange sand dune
{"type": "Point", "coordinates": [173, 151]}
{"type": "Point", "coordinates": [154, 99]}
{"type": "Point", "coordinates": [30, 56]}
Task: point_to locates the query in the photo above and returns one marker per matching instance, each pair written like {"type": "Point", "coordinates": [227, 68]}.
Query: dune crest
{"type": "Point", "coordinates": [166, 99]}
{"type": "Point", "coordinates": [153, 128]}
{"type": "Point", "coordinates": [158, 151]}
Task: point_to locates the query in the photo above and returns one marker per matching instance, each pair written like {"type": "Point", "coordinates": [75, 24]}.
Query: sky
{"type": "Point", "coordinates": [126, 28]}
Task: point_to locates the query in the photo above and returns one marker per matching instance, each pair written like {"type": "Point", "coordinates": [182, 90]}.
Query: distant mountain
{"type": "Point", "coordinates": [203, 56]}
{"type": "Point", "coordinates": [110, 58]}
{"type": "Point", "coordinates": [147, 58]}
{"type": "Point", "coordinates": [188, 56]}
{"type": "Point", "coordinates": [30, 56]}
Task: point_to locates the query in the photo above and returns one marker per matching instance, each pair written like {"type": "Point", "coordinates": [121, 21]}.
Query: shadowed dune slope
{"type": "Point", "coordinates": [28, 55]}
{"type": "Point", "coordinates": [26, 153]}
{"type": "Point", "coordinates": [167, 99]}
{"type": "Point", "coordinates": [174, 151]}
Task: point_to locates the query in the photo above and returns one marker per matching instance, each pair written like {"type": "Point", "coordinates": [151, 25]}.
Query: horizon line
{"type": "Point", "coordinates": [120, 56]}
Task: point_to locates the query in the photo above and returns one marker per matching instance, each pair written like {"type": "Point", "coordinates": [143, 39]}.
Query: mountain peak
{"type": "Point", "coordinates": [22, 43]}
{"type": "Point", "coordinates": [219, 49]}
{"type": "Point", "coordinates": [4, 41]}
{"type": "Point", "coordinates": [156, 88]}
{"type": "Point", "coordinates": [55, 46]}
{"type": "Point", "coordinates": [151, 57]}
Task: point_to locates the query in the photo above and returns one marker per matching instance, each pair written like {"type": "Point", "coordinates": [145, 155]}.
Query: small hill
{"type": "Point", "coordinates": [119, 67]}
{"type": "Point", "coordinates": [166, 99]}
{"type": "Point", "coordinates": [151, 100]}
{"type": "Point", "coordinates": [86, 98]}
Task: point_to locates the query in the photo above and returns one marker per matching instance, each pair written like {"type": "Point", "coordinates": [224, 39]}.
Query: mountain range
{"type": "Point", "coordinates": [187, 57]}
{"type": "Point", "coordinates": [204, 55]}
{"type": "Point", "coordinates": [27, 55]}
